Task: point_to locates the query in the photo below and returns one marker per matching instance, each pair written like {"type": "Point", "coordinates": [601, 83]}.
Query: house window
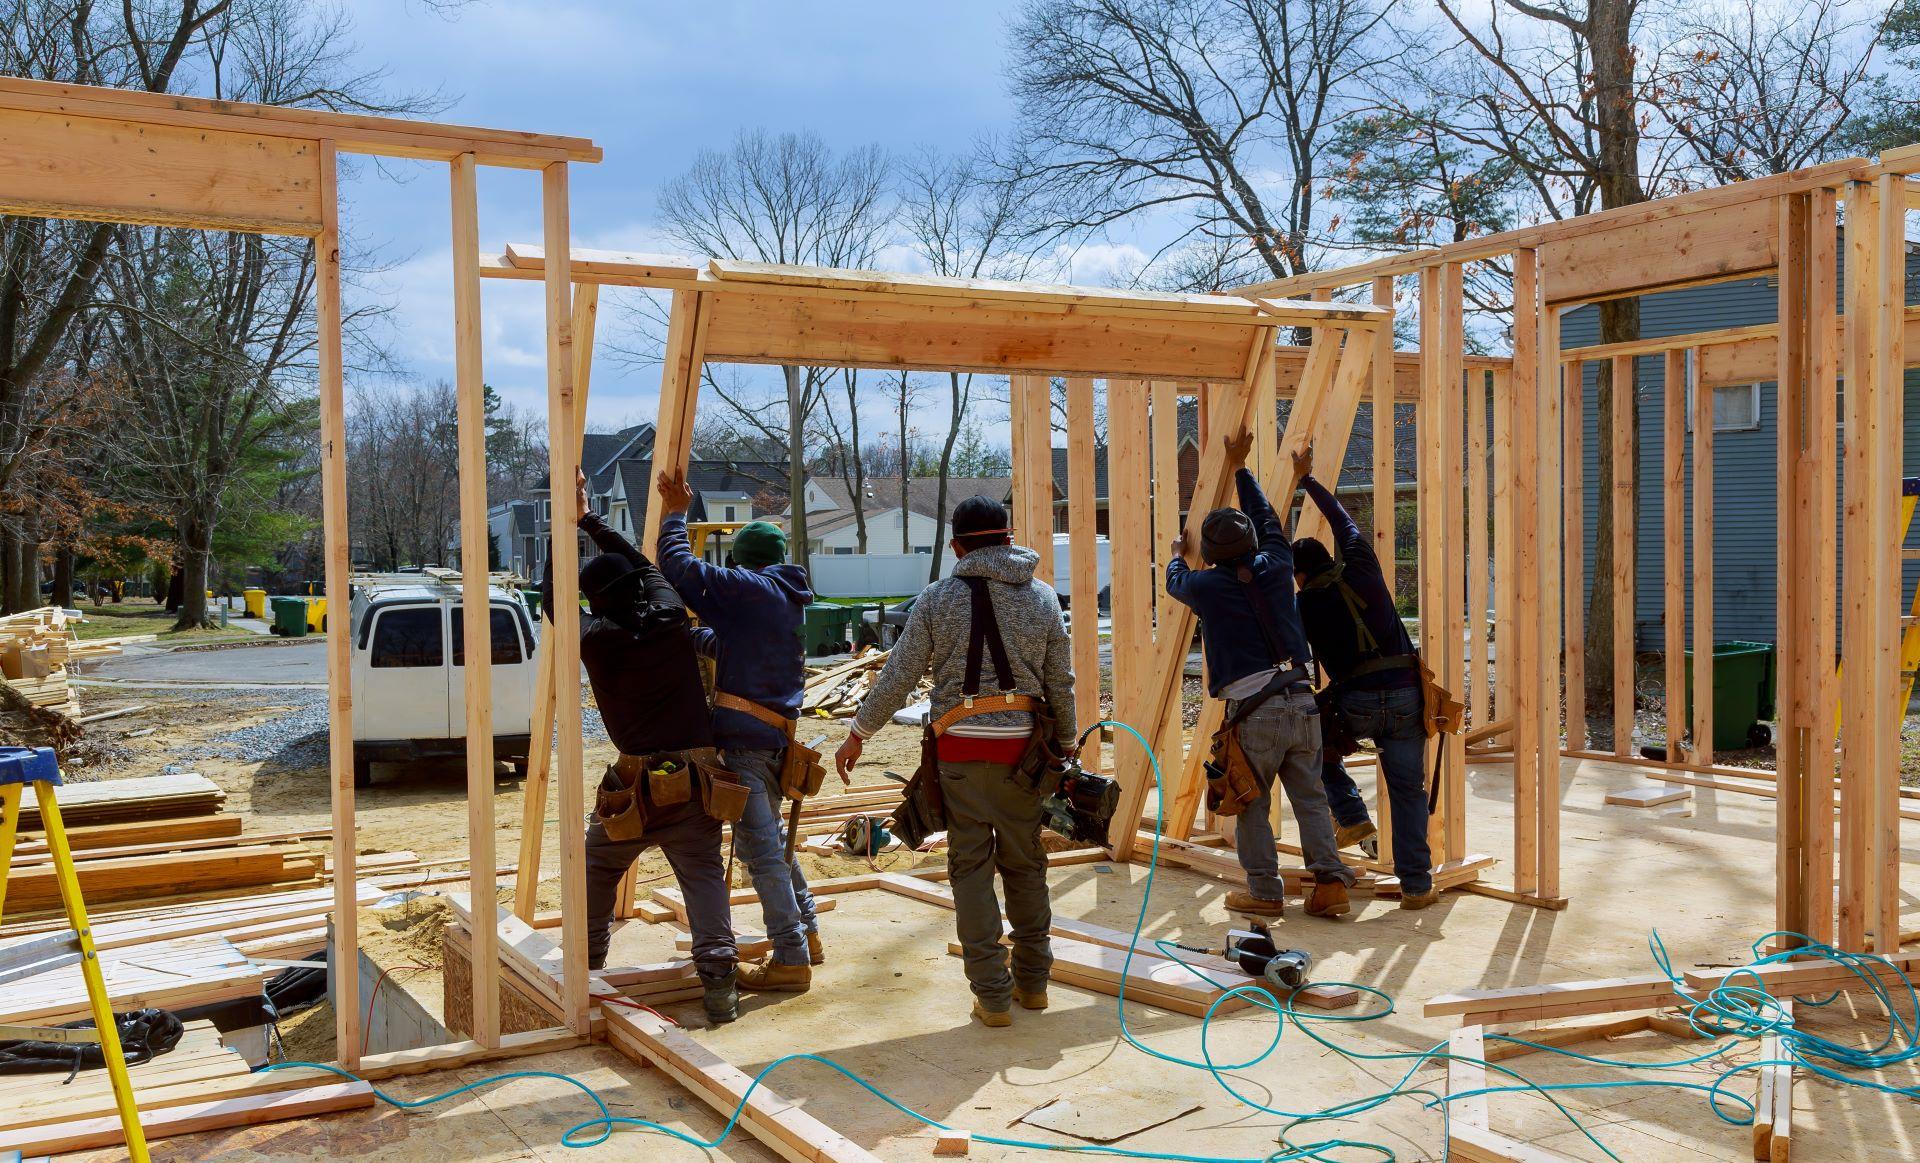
{"type": "Point", "coordinates": [546, 510]}
{"type": "Point", "coordinates": [927, 549]}
{"type": "Point", "coordinates": [729, 513]}
{"type": "Point", "coordinates": [623, 520]}
{"type": "Point", "coordinates": [838, 549]}
{"type": "Point", "coordinates": [1736, 408]}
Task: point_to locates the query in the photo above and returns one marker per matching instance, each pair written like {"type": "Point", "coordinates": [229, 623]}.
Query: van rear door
{"type": "Point", "coordinates": [403, 686]}
{"type": "Point", "coordinates": [513, 673]}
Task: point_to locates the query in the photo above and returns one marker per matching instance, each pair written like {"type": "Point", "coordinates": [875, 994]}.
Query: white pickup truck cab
{"type": "Point", "coordinates": [409, 674]}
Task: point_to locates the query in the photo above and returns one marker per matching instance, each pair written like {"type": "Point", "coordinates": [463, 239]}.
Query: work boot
{"type": "Point", "coordinates": [596, 961]}
{"type": "Point", "coordinates": [816, 952]}
{"type": "Point", "coordinates": [1412, 901]}
{"type": "Point", "coordinates": [1031, 999]}
{"type": "Point", "coordinates": [1329, 899]}
{"type": "Point", "coordinates": [1351, 835]}
{"type": "Point", "coordinates": [1259, 906]}
{"type": "Point", "coordinates": [722, 997]}
{"type": "Point", "coordinates": [994, 1018]}
{"type": "Point", "coordinates": [769, 976]}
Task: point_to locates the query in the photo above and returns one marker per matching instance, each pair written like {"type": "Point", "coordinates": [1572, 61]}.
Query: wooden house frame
{"type": "Point", "coordinates": [108, 155]}
{"type": "Point", "coordinates": [1837, 883]}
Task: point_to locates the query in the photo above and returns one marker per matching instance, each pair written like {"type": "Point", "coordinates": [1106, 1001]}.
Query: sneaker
{"type": "Point", "coordinates": [1035, 999]}
{"type": "Point", "coordinates": [722, 997]}
{"type": "Point", "coordinates": [994, 1018]}
{"type": "Point", "coordinates": [1419, 900]}
{"type": "Point", "coordinates": [1259, 906]}
{"type": "Point", "coordinates": [1351, 835]}
{"type": "Point", "coordinates": [1328, 900]}
{"type": "Point", "coordinates": [769, 976]}
{"type": "Point", "coordinates": [816, 952]}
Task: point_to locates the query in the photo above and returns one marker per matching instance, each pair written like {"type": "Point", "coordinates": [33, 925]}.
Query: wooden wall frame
{"type": "Point", "coordinates": [75, 151]}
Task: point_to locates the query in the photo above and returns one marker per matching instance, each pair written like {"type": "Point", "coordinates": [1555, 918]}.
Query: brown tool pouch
{"type": "Point", "coordinates": [621, 812]}
{"type": "Point", "coordinates": [1041, 762]}
{"type": "Point", "coordinates": [1440, 712]}
{"type": "Point", "coordinates": [801, 771]}
{"type": "Point", "coordinates": [1232, 785]}
{"type": "Point", "coordinates": [668, 788]}
{"type": "Point", "coordinates": [721, 795]}
{"type": "Point", "coordinates": [922, 810]}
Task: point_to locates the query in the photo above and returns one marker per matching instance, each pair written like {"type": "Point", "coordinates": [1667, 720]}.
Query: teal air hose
{"type": "Point", "coordinates": [1736, 1010]}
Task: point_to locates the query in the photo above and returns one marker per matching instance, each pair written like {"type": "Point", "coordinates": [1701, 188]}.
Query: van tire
{"type": "Point", "coordinates": [362, 771]}
{"type": "Point", "coordinates": [520, 765]}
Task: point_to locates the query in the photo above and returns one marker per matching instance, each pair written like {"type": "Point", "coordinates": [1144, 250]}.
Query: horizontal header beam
{"type": "Point", "coordinates": [351, 133]}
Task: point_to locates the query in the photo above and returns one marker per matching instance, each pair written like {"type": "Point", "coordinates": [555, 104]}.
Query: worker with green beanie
{"type": "Point", "coordinates": [758, 544]}
{"type": "Point", "coordinates": [754, 606]}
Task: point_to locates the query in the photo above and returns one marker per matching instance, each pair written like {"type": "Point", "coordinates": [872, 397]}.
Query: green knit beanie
{"type": "Point", "coordinates": [758, 544]}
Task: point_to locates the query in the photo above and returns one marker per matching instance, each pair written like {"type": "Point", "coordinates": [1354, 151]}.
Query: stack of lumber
{"type": "Point", "coordinates": [139, 840]}
{"type": "Point", "coordinates": [835, 692]}
{"type": "Point", "coordinates": [42, 1113]}
{"type": "Point", "coordinates": [35, 648]}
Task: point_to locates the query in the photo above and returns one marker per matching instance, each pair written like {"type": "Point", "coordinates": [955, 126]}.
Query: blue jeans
{"type": "Point", "coordinates": [1343, 795]}
{"type": "Point", "coordinates": [1282, 742]}
{"type": "Point", "coordinates": [760, 840]}
{"type": "Point", "coordinates": [1391, 718]}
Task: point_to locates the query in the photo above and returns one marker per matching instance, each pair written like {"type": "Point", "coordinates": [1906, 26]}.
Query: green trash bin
{"type": "Point", "coordinates": [1744, 688]}
{"type": "Point", "coordinates": [823, 629]}
{"type": "Point", "coordinates": [533, 601]}
{"type": "Point", "coordinates": [289, 616]}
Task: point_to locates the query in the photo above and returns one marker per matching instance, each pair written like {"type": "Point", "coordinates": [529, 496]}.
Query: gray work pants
{"type": "Point", "coordinates": [760, 840]}
{"type": "Point", "coordinates": [692, 844]}
{"type": "Point", "coordinates": [1282, 741]}
{"type": "Point", "coordinates": [993, 822]}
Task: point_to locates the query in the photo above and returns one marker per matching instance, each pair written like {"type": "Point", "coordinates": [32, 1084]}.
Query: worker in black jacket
{"type": "Point", "coordinates": [641, 654]}
{"type": "Point", "coordinates": [1374, 675]}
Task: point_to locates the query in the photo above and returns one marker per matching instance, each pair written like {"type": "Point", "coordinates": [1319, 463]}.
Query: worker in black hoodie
{"type": "Point", "coordinates": [641, 653]}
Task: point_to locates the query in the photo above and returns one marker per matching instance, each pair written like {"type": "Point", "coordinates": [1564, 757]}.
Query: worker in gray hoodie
{"type": "Point", "coordinates": [992, 610]}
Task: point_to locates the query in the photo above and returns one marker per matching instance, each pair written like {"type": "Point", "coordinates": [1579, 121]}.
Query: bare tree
{"type": "Point", "coordinates": [1221, 108]}
{"type": "Point", "coordinates": [845, 455]}
{"type": "Point", "coordinates": [782, 199]}
{"type": "Point", "coordinates": [963, 224]}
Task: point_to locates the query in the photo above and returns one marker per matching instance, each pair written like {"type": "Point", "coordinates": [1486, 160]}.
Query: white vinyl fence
{"type": "Point", "coordinates": [880, 575]}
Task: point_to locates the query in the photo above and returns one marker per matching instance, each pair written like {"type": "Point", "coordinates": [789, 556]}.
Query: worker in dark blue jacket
{"type": "Point", "coordinates": [754, 605]}
{"type": "Point", "coordinates": [1374, 677]}
{"type": "Point", "coordinates": [1257, 652]}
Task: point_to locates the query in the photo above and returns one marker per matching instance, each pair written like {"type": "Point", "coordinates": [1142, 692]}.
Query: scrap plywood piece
{"type": "Point", "coordinates": [952, 1144]}
{"type": "Point", "coordinates": [1648, 797]}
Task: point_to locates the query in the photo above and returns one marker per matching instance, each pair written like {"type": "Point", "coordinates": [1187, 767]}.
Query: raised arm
{"type": "Point", "coordinates": [1346, 533]}
{"type": "Point", "coordinates": [1266, 523]}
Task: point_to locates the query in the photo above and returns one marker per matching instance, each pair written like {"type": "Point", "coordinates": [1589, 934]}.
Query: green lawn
{"type": "Point", "coordinates": [141, 616]}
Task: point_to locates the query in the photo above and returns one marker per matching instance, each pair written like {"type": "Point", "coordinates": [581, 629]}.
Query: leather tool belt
{"type": "Point", "coordinates": [802, 769]}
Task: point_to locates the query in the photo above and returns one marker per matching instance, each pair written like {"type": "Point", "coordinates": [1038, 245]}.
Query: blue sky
{"type": "Point", "coordinates": [652, 84]}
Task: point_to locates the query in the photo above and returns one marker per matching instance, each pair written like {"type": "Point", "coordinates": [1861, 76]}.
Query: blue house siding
{"type": "Point", "coordinates": [1745, 494]}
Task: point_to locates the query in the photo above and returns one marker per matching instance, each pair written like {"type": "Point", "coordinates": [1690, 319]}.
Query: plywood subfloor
{"type": "Point", "coordinates": [892, 1006]}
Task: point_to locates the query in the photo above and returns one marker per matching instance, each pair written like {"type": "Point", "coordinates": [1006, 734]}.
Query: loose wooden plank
{"type": "Point", "coordinates": [1467, 1072]}
{"type": "Point", "coordinates": [783, 1127]}
{"type": "Point", "coordinates": [84, 1134]}
{"type": "Point", "coordinates": [1651, 991]}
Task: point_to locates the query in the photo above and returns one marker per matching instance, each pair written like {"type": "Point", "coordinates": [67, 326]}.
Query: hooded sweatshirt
{"type": "Point", "coordinates": [1028, 612]}
{"type": "Point", "coordinates": [755, 615]}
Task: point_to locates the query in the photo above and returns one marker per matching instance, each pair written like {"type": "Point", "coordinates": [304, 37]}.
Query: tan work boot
{"type": "Point", "coordinates": [1328, 900]}
{"type": "Point", "coordinates": [769, 976]}
{"type": "Point", "coordinates": [994, 1018]}
{"type": "Point", "coordinates": [1031, 999]}
{"type": "Point", "coordinates": [816, 952]}
{"type": "Point", "coordinates": [1246, 902]}
{"type": "Point", "coordinates": [1419, 900]}
{"type": "Point", "coordinates": [1350, 835]}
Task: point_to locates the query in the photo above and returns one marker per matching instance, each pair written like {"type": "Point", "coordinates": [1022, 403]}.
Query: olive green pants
{"type": "Point", "coordinates": [993, 822]}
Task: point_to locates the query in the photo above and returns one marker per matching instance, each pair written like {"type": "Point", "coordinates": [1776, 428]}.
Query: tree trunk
{"type": "Point", "coordinates": [63, 576]}
{"type": "Point", "coordinates": [196, 543]}
{"type": "Point", "coordinates": [26, 573]}
{"type": "Point", "coordinates": [1609, 38]}
{"type": "Point", "coordinates": [797, 548]}
{"type": "Point", "coordinates": [946, 466]}
{"type": "Point", "coordinates": [9, 562]}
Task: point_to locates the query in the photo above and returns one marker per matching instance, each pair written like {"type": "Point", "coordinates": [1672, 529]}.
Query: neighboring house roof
{"type": "Point", "coordinates": [600, 452]}
{"type": "Point", "coordinates": [716, 480]}
{"type": "Point", "coordinates": [883, 496]}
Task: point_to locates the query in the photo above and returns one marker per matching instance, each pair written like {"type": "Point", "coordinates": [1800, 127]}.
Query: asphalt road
{"type": "Point", "coordinates": [302, 661]}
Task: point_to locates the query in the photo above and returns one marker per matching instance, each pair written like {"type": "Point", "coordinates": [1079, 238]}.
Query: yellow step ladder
{"type": "Point", "coordinates": [37, 766]}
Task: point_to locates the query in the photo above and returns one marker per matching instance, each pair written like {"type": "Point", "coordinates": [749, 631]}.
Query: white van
{"type": "Point", "coordinates": [409, 673]}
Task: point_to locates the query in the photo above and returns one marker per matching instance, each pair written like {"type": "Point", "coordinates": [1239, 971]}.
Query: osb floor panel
{"type": "Point", "coordinates": [891, 1005]}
